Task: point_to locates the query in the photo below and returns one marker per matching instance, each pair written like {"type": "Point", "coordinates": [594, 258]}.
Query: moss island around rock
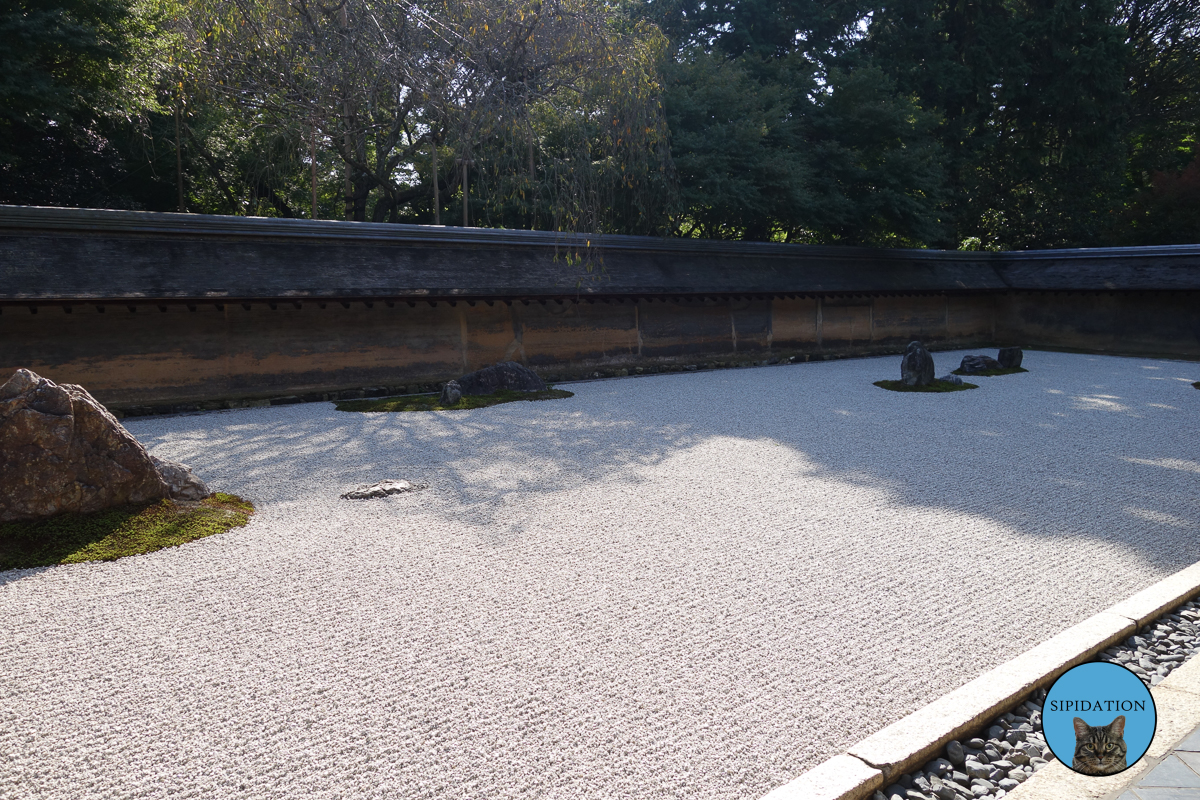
{"type": "Point", "coordinates": [936, 387]}
{"type": "Point", "coordinates": [117, 532]}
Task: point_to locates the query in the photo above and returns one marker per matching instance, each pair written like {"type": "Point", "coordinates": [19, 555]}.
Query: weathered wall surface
{"type": "Point", "coordinates": [159, 309]}
{"type": "Point", "coordinates": [150, 356]}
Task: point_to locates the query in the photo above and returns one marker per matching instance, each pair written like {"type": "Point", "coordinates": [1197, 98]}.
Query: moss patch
{"type": "Point", "coordinates": [115, 532]}
{"type": "Point", "coordinates": [936, 386]}
{"type": "Point", "coordinates": [990, 373]}
{"type": "Point", "coordinates": [429, 402]}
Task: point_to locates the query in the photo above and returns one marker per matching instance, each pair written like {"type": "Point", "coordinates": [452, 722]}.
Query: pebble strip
{"type": "Point", "coordinates": [1015, 748]}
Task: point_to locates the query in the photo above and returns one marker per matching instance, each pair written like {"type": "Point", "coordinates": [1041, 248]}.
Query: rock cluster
{"type": "Point", "coordinates": [975, 364]}
{"type": "Point", "coordinates": [61, 451]}
{"type": "Point", "coordinates": [1162, 646]}
{"type": "Point", "coordinates": [916, 368]}
{"type": "Point", "coordinates": [1015, 747]}
{"type": "Point", "coordinates": [505, 375]}
{"type": "Point", "coordinates": [992, 767]}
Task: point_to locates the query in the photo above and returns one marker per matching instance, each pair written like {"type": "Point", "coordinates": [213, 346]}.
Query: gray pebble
{"type": "Point", "coordinates": [941, 766]}
{"type": "Point", "coordinates": [1008, 784]}
{"type": "Point", "coordinates": [976, 743]}
{"type": "Point", "coordinates": [954, 752]}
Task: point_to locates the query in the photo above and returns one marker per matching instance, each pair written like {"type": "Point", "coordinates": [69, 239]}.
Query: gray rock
{"type": "Point", "coordinates": [879, 795]}
{"type": "Point", "coordinates": [921, 783]}
{"type": "Point", "coordinates": [1008, 784]}
{"type": "Point", "coordinates": [960, 777]}
{"type": "Point", "coordinates": [381, 489]}
{"type": "Point", "coordinates": [950, 377]}
{"type": "Point", "coordinates": [1003, 764]}
{"type": "Point", "coordinates": [916, 368]}
{"type": "Point", "coordinates": [61, 451]}
{"type": "Point", "coordinates": [505, 375]}
{"type": "Point", "coordinates": [976, 743]}
{"type": "Point", "coordinates": [979, 790]}
{"type": "Point", "coordinates": [1010, 357]}
{"type": "Point", "coordinates": [1015, 736]}
{"type": "Point", "coordinates": [451, 394]}
{"type": "Point", "coordinates": [895, 791]}
{"type": "Point", "coordinates": [942, 766]}
{"type": "Point", "coordinates": [1037, 763]}
{"type": "Point", "coordinates": [974, 364]}
{"type": "Point", "coordinates": [1019, 775]}
{"type": "Point", "coordinates": [957, 785]}
{"type": "Point", "coordinates": [976, 770]}
{"type": "Point", "coordinates": [995, 732]}
{"type": "Point", "coordinates": [1018, 757]}
{"type": "Point", "coordinates": [954, 752]}
{"type": "Point", "coordinates": [916, 794]}
{"type": "Point", "coordinates": [182, 483]}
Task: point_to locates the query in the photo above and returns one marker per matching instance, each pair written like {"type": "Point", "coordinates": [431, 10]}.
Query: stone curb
{"type": "Point", "coordinates": [919, 737]}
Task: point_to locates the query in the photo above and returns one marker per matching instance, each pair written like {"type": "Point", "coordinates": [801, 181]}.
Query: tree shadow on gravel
{"type": "Point", "coordinates": [1075, 448]}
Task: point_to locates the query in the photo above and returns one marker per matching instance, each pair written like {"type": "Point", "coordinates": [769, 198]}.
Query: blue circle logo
{"type": "Point", "coordinates": [1099, 718]}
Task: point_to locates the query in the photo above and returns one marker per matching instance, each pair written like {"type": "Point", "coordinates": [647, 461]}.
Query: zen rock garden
{"type": "Point", "coordinates": [917, 370]}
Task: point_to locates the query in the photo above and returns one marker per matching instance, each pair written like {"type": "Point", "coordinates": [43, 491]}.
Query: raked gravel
{"type": "Point", "coordinates": [695, 585]}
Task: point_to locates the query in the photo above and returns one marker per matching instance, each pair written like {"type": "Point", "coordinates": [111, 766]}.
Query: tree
{"type": "Point", "coordinates": [71, 71]}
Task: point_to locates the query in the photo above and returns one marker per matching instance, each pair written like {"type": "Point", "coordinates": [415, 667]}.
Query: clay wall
{"type": "Point", "coordinates": [160, 313]}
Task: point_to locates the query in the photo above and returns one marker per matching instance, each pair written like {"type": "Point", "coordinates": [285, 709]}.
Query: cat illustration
{"type": "Point", "coordinates": [1099, 749]}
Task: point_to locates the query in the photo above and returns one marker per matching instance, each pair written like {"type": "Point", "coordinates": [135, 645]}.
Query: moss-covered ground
{"type": "Point", "coordinates": [430, 402]}
{"type": "Point", "coordinates": [115, 532]}
{"type": "Point", "coordinates": [990, 373]}
{"type": "Point", "coordinates": [936, 386]}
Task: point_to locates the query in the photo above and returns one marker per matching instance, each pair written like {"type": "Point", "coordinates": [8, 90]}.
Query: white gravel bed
{"type": "Point", "coordinates": [693, 585]}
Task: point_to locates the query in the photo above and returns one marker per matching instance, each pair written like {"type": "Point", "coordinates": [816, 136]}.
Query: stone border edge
{"type": "Point", "coordinates": [917, 738]}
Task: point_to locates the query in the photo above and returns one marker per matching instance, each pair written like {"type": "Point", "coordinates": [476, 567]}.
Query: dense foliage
{"type": "Point", "coordinates": [996, 124]}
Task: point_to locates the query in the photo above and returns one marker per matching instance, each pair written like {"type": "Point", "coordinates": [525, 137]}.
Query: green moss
{"type": "Point", "coordinates": [988, 373]}
{"type": "Point", "coordinates": [429, 402]}
{"type": "Point", "coordinates": [115, 532]}
{"type": "Point", "coordinates": [936, 386]}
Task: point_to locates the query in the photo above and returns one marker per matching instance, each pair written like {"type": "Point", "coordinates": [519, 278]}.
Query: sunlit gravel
{"type": "Point", "coordinates": [695, 585]}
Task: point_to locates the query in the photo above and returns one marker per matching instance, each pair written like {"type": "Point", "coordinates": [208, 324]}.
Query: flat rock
{"type": "Point", "coordinates": [61, 451]}
{"type": "Point", "coordinates": [950, 377]}
{"type": "Point", "coordinates": [380, 489]}
{"type": "Point", "coordinates": [505, 375]}
{"type": "Point", "coordinates": [975, 364]}
{"type": "Point", "coordinates": [916, 368]}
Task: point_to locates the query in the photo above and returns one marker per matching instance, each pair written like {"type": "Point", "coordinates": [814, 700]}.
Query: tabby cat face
{"type": "Point", "coordinates": [1099, 750]}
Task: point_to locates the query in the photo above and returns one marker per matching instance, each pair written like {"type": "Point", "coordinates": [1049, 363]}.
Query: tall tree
{"type": "Point", "coordinates": [69, 71]}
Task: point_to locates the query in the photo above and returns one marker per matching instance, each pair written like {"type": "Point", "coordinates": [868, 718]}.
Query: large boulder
{"type": "Point", "coordinates": [61, 451]}
{"type": "Point", "coordinates": [916, 368]}
{"type": "Point", "coordinates": [505, 375]}
{"type": "Point", "coordinates": [1010, 357]}
{"type": "Point", "coordinates": [973, 365]}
